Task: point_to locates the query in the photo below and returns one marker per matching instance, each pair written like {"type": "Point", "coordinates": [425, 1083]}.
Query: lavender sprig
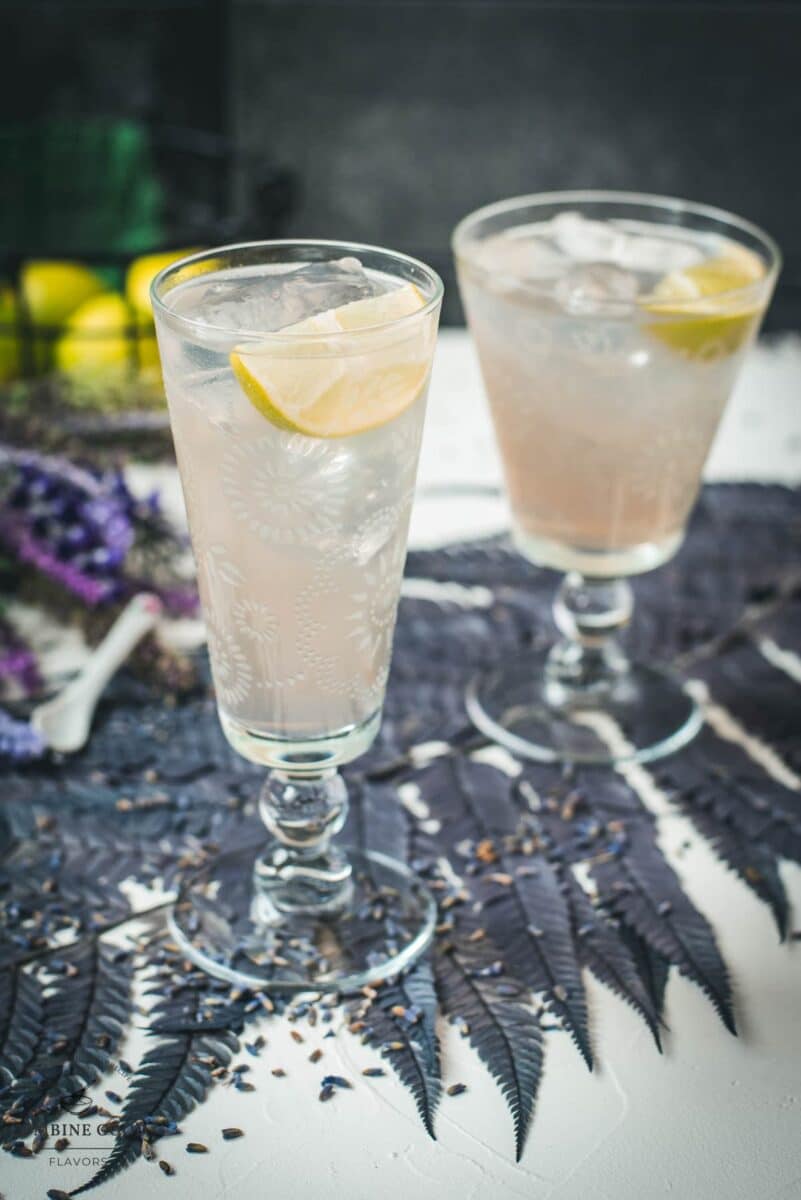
{"type": "Point", "coordinates": [84, 529]}
{"type": "Point", "coordinates": [19, 741]}
{"type": "Point", "coordinates": [18, 666]}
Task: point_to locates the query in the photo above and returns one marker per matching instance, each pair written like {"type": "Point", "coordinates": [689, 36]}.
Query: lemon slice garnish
{"type": "Point", "coordinates": [704, 320]}
{"type": "Point", "coordinates": [310, 386]}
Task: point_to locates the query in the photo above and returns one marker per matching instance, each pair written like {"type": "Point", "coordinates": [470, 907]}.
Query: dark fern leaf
{"type": "Point", "coordinates": [446, 805]}
{"type": "Point", "coordinates": [718, 776]}
{"type": "Point", "coordinates": [174, 1077]}
{"type": "Point", "coordinates": [754, 863]}
{"type": "Point", "coordinates": [377, 821]}
{"type": "Point", "coordinates": [21, 1015]}
{"type": "Point", "coordinates": [600, 948]}
{"type": "Point", "coordinates": [85, 1011]}
{"type": "Point", "coordinates": [528, 921]}
{"type": "Point", "coordinates": [523, 905]}
{"type": "Point", "coordinates": [409, 1042]}
{"type": "Point", "coordinates": [642, 889]}
{"type": "Point", "coordinates": [764, 699]}
{"type": "Point", "coordinates": [503, 1030]}
{"type": "Point", "coordinates": [652, 967]}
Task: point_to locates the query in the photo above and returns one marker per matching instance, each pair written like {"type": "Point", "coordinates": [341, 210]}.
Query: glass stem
{"type": "Point", "coordinates": [590, 614]}
{"type": "Point", "coordinates": [301, 871]}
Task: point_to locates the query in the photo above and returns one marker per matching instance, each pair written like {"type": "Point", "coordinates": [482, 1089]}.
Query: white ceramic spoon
{"type": "Point", "coordinates": [64, 722]}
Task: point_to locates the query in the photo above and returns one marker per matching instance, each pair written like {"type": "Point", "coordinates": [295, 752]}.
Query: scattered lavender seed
{"type": "Point", "coordinates": [373, 1072]}
{"type": "Point", "coordinates": [166, 1168]}
{"type": "Point", "coordinates": [296, 1037]}
{"type": "Point", "coordinates": [61, 1143]}
{"type": "Point", "coordinates": [315, 1056]}
{"type": "Point", "coordinates": [196, 1148]}
{"type": "Point", "coordinates": [242, 1086]}
{"type": "Point", "coordinates": [114, 1097]}
{"type": "Point", "coordinates": [326, 1091]}
{"type": "Point", "coordinates": [336, 1081]}
{"type": "Point", "coordinates": [231, 1133]}
{"type": "Point", "coordinates": [456, 1089]}
{"type": "Point", "coordinates": [329, 1034]}
{"type": "Point", "coordinates": [278, 1072]}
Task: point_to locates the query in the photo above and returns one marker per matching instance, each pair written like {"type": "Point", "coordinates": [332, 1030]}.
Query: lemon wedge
{"type": "Point", "coordinates": [703, 319]}
{"type": "Point", "coordinates": [311, 386]}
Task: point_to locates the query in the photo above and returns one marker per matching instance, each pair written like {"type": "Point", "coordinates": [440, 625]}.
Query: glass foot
{"type": "Point", "coordinates": [640, 714]}
{"type": "Point", "coordinates": [232, 923]}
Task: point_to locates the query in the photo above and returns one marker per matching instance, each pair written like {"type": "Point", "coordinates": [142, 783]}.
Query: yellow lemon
{"type": "Point", "coordinates": [705, 318]}
{"type": "Point", "coordinates": [149, 363]}
{"type": "Point", "coordinates": [141, 274]}
{"type": "Point", "coordinates": [98, 343]}
{"type": "Point", "coordinates": [308, 386]}
{"type": "Point", "coordinates": [9, 341]}
{"type": "Point", "coordinates": [52, 290]}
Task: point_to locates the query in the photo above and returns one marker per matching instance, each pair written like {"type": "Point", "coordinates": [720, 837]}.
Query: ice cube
{"type": "Point", "coordinates": [594, 286]}
{"type": "Point", "coordinates": [268, 300]}
{"type": "Point", "coordinates": [584, 240]}
{"type": "Point", "coordinates": [643, 250]}
{"type": "Point", "coordinates": [522, 254]}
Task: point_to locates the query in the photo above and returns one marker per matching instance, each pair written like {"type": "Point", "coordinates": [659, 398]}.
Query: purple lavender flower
{"type": "Point", "coordinates": [19, 741]}
{"type": "Point", "coordinates": [79, 525]}
{"type": "Point", "coordinates": [18, 665]}
{"type": "Point", "coordinates": [74, 525]}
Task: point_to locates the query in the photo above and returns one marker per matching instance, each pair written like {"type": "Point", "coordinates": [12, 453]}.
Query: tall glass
{"type": "Point", "coordinates": [610, 329]}
{"type": "Point", "coordinates": [296, 375]}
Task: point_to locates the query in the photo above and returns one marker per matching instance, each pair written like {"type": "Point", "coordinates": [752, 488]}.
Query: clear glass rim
{"type": "Point", "coordinates": [673, 204]}
{"type": "Point", "coordinates": [354, 249]}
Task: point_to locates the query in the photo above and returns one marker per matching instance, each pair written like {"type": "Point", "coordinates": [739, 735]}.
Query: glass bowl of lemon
{"type": "Point", "coordinates": [96, 207]}
{"type": "Point", "coordinates": [78, 353]}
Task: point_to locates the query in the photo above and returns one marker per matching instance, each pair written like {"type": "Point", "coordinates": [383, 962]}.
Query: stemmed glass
{"type": "Point", "coordinates": [296, 374]}
{"type": "Point", "coordinates": [610, 328]}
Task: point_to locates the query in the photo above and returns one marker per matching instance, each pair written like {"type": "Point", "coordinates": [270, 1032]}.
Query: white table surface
{"type": "Point", "coordinates": [714, 1116]}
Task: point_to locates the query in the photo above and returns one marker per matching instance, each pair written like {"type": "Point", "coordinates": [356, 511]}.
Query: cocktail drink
{"type": "Point", "coordinates": [610, 330]}
{"type": "Point", "coordinates": [296, 375]}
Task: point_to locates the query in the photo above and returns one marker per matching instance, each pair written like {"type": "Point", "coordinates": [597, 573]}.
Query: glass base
{"type": "Point", "coordinates": [561, 555]}
{"type": "Point", "coordinates": [642, 714]}
{"type": "Point", "coordinates": [300, 755]}
{"type": "Point", "coordinates": [229, 923]}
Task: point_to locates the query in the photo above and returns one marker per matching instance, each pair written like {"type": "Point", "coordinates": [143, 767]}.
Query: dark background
{"type": "Point", "coordinates": [396, 117]}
